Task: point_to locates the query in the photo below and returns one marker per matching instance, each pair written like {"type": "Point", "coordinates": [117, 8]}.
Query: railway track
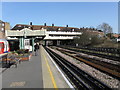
{"type": "Point", "coordinates": [79, 78]}
{"type": "Point", "coordinates": [108, 68]}
{"type": "Point", "coordinates": [100, 53]}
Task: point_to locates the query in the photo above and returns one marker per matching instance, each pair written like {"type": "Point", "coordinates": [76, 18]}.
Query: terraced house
{"type": "Point", "coordinates": [58, 34]}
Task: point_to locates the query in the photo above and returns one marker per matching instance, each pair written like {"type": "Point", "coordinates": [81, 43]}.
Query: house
{"type": "Point", "coordinates": [57, 28]}
{"type": "Point", "coordinates": [57, 35]}
{"type": "Point", "coordinates": [117, 37]}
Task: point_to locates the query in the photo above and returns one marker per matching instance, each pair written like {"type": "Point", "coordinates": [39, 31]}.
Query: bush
{"type": "Point", "coordinates": [88, 39]}
{"type": "Point", "coordinates": [95, 40]}
{"type": "Point", "coordinates": [83, 40]}
{"type": "Point", "coordinates": [22, 51]}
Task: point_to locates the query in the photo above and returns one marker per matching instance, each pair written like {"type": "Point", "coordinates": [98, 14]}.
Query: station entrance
{"type": "Point", "coordinates": [25, 38]}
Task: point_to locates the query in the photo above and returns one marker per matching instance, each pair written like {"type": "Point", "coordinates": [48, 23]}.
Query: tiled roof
{"type": "Point", "coordinates": [38, 27]}
{"type": "Point", "coordinates": [116, 35]}
{"type": "Point", "coordinates": [55, 28]}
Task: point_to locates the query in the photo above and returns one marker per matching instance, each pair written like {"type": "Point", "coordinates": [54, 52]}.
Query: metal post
{"type": "Point", "coordinates": [58, 42]}
{"type": "Point", "coordinates": [23, 43]}
{"type": "Point", "coordinates": [33, 44]}
{"type": "Point", "coordinates": [20, 43]}
{"type": "Point", "coordinates": [45, 42]}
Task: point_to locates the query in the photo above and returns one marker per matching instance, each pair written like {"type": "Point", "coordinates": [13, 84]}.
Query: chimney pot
{"type": "Point", "coordinates": [45, 24]}
{"type": "Point", "coordinates": [30, 23]}
{"type": "Point", "coordinates": [66, 25]}
{"type": "Point", "coordinates": [52, 24]}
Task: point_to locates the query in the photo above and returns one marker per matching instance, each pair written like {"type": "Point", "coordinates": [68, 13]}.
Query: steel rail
{"type": "Point", "coordinates": [102, 68]}
{"type": "Point", "coordinates": [91, 52]}
{"type": "Point", "coordinates": [79, 78]}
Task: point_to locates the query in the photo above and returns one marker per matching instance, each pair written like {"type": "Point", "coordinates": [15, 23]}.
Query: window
{"type": "Point", "coordinates": [3, 24]}
{"type": "Point", "coordinates": [59, 29]}
{"type": "Point", "coordinates": [73, 30]}
{"type": "Point", "coordinates": [19, 25]}
{"type": "Point", "coordinates": [2, 29]}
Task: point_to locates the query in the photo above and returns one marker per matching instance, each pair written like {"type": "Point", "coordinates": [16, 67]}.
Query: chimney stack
{"type": "Point", "coordinates": [30, 23]}
{"type": "Point", "coordinates": [52, 25]}
{"type": "Point", "coordinates": [45, 24]}
{"type": "Point", "coordinates": [66, 25]}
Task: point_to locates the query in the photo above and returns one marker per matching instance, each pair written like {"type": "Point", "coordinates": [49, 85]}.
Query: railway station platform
{"type": "Point", "coordinates": [39, 72]}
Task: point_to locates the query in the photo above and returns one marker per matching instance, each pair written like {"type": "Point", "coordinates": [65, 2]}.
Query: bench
{"type": "Point", "coordinates": [11, 60]}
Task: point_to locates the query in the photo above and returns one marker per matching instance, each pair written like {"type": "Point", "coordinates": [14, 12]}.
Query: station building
{"type": "Point", "coordinates": [46, 35]}
{"type": "Point", "coordinates": [3, 26]}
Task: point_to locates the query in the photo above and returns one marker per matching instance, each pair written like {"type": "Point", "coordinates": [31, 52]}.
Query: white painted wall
{"type": "Point", "coordinates": [28, 32]}
{"type": "Point", "coordinates": [60, 33]}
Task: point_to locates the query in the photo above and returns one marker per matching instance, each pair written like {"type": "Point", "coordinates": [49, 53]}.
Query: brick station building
{"type": "Point", "coordinates": [58, 28]}
{"type": "Point", "coordinates": [3, 26]}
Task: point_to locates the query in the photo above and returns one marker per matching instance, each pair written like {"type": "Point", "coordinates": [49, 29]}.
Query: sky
{"type": "Point", "coordinates": [73, 14]}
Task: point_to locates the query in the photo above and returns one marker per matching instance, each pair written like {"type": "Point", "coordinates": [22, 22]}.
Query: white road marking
{"type": "Point", "coordinates": [70, 85]}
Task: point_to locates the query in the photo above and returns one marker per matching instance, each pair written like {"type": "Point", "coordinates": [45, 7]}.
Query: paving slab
{"type": "Point", "coordinates": [58, 78]}
{"type": "Point", "coordinates": [28, 74]}
{"type": "Point", "coordinates": [38, 72]}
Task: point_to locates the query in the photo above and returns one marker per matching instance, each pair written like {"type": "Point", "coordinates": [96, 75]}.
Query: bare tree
{"type": "Point", "coordinates": [88, 39]}
{"type": "Point", "coordinates": [106, 28]}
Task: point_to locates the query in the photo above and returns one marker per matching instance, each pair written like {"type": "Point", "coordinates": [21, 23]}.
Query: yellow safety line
{"type": "Point", "coordinates": [53, 80]}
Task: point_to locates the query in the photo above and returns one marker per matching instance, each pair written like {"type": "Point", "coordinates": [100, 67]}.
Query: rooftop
{"type": "Point", "coordinates": [52, 28]}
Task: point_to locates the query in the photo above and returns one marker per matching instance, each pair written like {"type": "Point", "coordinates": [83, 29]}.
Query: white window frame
{"type": "Point", "coordinates": [2, 29]}
{"type": "Point", "coordinates": [3, 24]}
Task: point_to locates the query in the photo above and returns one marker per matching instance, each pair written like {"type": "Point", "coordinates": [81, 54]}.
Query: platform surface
{"type": "Point", "coordinates": [38, 72]}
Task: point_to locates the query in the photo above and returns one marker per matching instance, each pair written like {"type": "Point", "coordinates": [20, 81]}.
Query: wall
{"type": "Point", "coordinates": [7, 26]}
{"type": "Point", "coordinates": [2, 35]}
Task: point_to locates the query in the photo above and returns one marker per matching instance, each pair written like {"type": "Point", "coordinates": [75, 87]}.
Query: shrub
{"type": "Point", "coordinates": [22, 51]}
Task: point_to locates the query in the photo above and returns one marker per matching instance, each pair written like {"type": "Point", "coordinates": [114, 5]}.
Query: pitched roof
{"type": "Point", "coordinates": [49, 28]}
{"type": "Point", "coordinates": [55, 28]}
{"type": "Point", "coordinates": [116, 35]}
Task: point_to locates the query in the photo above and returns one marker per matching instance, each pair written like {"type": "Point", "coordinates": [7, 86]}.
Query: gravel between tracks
{"type": "Point", "coordinates": [95, 57]}
{"type": "Point", "coordinates": [110, 81]}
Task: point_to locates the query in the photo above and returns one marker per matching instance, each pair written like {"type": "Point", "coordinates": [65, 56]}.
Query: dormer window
{"type": "Point", "coordinates": [3, 24]}
{"type": "Point", "coordinates": [2, 29]}
{"type": "Point", "coordinates": [73, 30]}
{"type": "Point", "coordinates": [59, 29]}
{"type": "Point", "coordinates": [19, 26]}
{"type": "Point", "coordinates": [42, 28]}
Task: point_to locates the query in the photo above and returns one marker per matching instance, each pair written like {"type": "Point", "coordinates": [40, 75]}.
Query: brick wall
{"type": "Point", "coordinates": [2, 35]}
{"type": "Point", "coordinates": [7, 26]}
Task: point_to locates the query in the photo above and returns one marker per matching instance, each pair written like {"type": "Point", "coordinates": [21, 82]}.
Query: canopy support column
{"type": "Point", "coordinates": [20, 43]}
{"type": "Point", "coordinates": [33, 44]}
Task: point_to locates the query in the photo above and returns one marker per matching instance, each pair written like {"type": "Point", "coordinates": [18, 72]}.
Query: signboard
{"type": "Point", "coordinates": [27, 44]}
